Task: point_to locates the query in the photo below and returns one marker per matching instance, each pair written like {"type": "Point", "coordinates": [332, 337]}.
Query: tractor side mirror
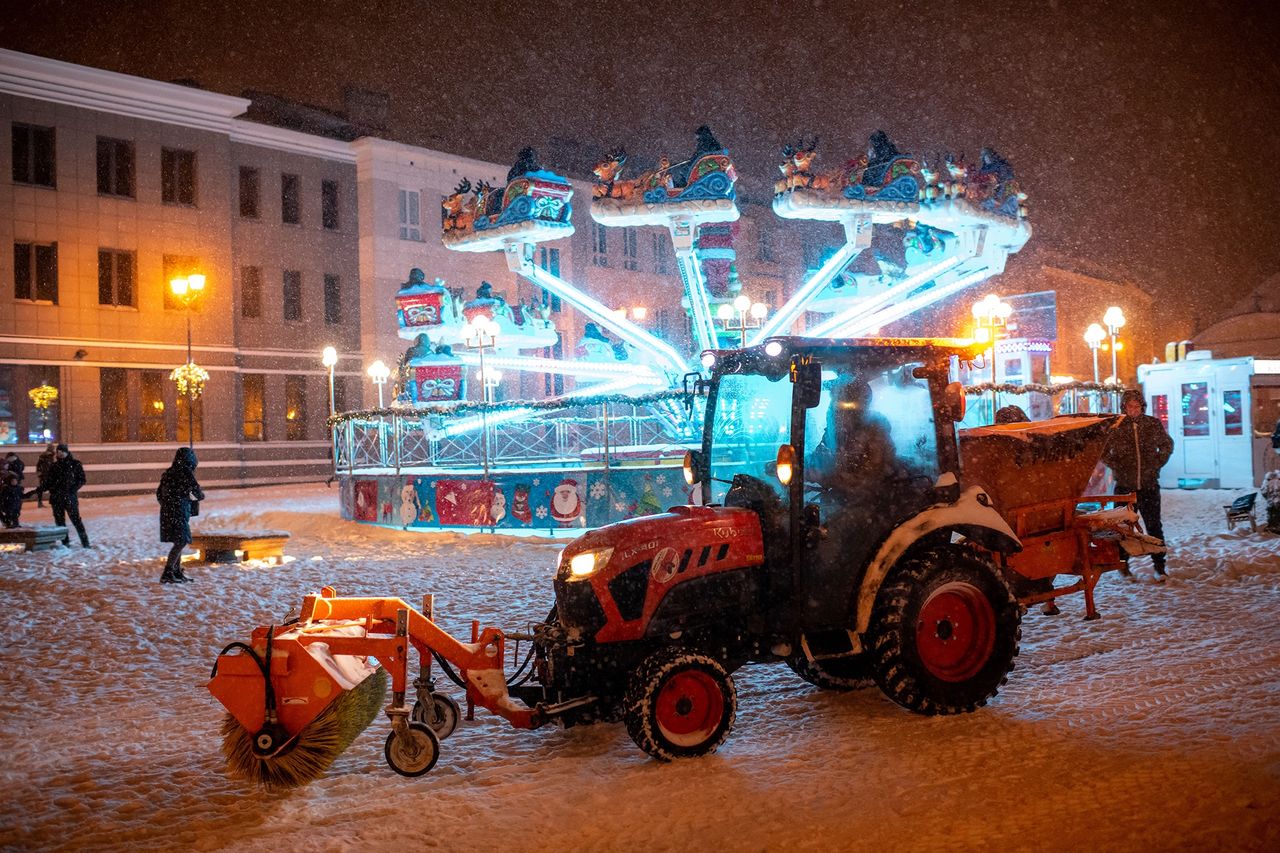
{"type": "Point", "coordinates": [954, 401]}
{"type": "Point", "coordinates": [693, 461]}
{"type": "Point", "coordinates": [807, 376]}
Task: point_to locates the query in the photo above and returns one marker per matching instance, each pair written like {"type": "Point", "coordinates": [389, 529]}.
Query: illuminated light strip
{"type": "Point", "coordinates": [895, 292]}
{"type": "Point", "coordinates": [641, 373]}
{"type": "Point", "coordinates": [866, 325]}
{"type": "Point", "coordinates": [507, 415]}
{"type": "Point", "coordinates": [695, 287]}
{"type": "Point", "coordinates": [624, 328]}
{"type": "Point", "coordinates": [781, 322]}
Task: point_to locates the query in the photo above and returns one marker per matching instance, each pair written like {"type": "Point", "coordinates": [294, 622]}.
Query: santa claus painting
{"type": "Point", "coordinates": [566, 504]}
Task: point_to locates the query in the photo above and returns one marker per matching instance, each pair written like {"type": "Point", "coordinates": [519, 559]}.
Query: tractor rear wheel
{"type": "Point", "coordinates": [680, 704]}
{"type": "Point", "coordinates": [846, 673]}
{"type": "Point", "coordinates": [944, 632]}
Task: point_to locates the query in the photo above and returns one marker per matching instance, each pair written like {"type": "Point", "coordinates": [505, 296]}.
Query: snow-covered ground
{"type": "Point", "coordinates": [1156, 727]}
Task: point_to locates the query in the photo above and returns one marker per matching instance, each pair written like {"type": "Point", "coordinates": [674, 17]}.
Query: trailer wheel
{"type": "Point", "coordinates": [944, 632]}
{"type": "Point", "coordinates": [413, 754]}
{"type": "Point", "coordinates": [847, 673]}
{"type": "Point", "coordinates": [442, 715]}
{"type": "Point", "coordinates": [680, 704]}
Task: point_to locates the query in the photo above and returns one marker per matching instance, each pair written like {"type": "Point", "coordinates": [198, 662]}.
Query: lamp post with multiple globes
{"type": "Point", "coordinates": [187, 289]}
{"type": "Point", "coordinates": [991, 314]}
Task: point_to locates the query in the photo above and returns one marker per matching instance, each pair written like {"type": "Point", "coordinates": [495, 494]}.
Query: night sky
{"type": "Point", "coordinates": [1147, 135]}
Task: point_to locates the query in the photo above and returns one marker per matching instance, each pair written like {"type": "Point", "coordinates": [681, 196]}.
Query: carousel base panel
{"type": "Point", "coordinates": [534, 501]}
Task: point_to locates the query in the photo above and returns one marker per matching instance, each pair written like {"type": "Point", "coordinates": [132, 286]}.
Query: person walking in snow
{"type": "Point", "coordinates": [43, 464]}
{"type": "Point", "coordinates": [176, 493]}
{"type": "Point", "coordinates": [66, 476]}
{"type": "Point", "coordinates": [10, 497]}
{"type": "Point", "coordinates": [1135, 452]}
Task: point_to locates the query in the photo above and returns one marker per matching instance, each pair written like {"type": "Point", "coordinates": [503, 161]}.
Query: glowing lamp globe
{"type": "Point", "coordinates": [724, 312]}
{"type": "Point", "coordinates": [329, 357]}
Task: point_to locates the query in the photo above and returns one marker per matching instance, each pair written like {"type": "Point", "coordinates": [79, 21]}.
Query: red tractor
{"type": "Point", "coordinates": [834, 535]}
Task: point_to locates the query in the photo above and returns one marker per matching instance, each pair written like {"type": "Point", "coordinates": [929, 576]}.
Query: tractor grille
{"type": "Point", "coordinates": [578, 607]}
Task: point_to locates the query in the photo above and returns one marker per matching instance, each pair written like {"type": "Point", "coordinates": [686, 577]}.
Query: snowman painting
{"type": "Point", "coordinates": [409, 506]}
{"type": "Point", "coordinates": [497, 509]}
{"type": "Point", "coordinates": [566, 504]}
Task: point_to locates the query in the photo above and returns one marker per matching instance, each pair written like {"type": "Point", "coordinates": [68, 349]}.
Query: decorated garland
{"type": "Point", "coordinates": [553, 403]}
{"type": "Point", "coordinates": [1037, 388]}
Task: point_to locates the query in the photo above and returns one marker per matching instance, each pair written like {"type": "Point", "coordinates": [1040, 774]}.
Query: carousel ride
{"type": "Point", "coordinates": [914, 233]}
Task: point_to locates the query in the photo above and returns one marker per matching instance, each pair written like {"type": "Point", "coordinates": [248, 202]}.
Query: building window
{"type": "Point", "coordinates": [1232, 413]}
{"type": "Point", "coordinates": [177, 176]}
{"type": "Point", "coordinates": [332, 300]}
{"type": "Point", "coordinates": [196, 422]}
{"type": "Point", "coordinates": [290, 194]}
{"type": "Point", "coordinates": [549, 260]}
{"type": "Point", "coordinates": [295, 408]}
{"type": "Point", "coordinates": [42, 424]}
{"type": "Point", "coordinates": [292, 295]}
{"type": "Point", "coordinates": [35, 272]}
{"type": "Point", "coordinates": [115, 167]}
{"type": "Point", "coordinates": [764, 246]}
{"type": "Point", "coordinates": [1160, 409]}
{"type": "Point", "coordinates": [115, 278]}
{"type": "Point", "coordinates": [178, 266]}
{"type": "Point", "coordinates": [629, 249]}
{"type": "Point", "coordinates": [1195, 409]}
{"type": "Point", "coordinates": [151, 424]}
{"type": "Point", "coordinates": [599, 245]}
{"type": "Point", "coordinates": [113, 395]}
{"type": "Point", "coordinates": [659, 254]}
{"type": "Point", "coordinates": [329, 204]}
{"type": "Point", "coordinates": [33, 156]}
{"type": "Point", "coordinates": [251, 291]}
{"type": "Point", "coordinates": [253, 396]}
{"type": "Point", "coordinates": [249, 192]}
{"type": "Point", "coordinates": [410, 222]}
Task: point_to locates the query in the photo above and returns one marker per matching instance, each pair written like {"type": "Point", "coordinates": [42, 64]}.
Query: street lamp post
{"type": "Point", "coordinates": [1093, 337]}
{"type": "Point", "coordinates": [478, 334]}
{"type": "Point", "coordinates": [1114, 318]}
{"type": "Point", "coordinates": [186, 290]}
{"type": "Point", "coordinates": [991, 314]}
{"type": "Point", "coordinates": [379, 372]}
{"type": "Point", "coordinates": [745, 309]}
{"type": "Point", "coordinates": [329, 358]}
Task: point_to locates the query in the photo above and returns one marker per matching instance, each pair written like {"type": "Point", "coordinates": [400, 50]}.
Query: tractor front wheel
{"type": "Point", "coordinates": [680, 704]}
{"type": "Point", "coordinates": [944, 632]}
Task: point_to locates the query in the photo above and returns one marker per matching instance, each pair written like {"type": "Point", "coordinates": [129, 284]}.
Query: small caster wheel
{"type": "Point", "coordinates": [442, 715]}
{"type": "Point", "coordinates": [413, 754]}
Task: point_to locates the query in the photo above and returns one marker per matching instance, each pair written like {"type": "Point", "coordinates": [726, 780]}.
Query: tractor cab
{"type": "Point", "coordinates": [834, 444]}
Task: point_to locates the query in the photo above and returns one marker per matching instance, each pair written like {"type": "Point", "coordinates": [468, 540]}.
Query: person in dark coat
{"type": "Point", "coordinates": [706, 144]}
{"type": "Point", "coordinates": [43, 464]}
{"type": "Point", "coordinates": [526, 162]}
{"type": "Point", "coordinates": [880, 153]}
{"type": "Point", "coordinates": [1135, 452]}
{"type": "Point", "coordinates": [66, 476]}
{"type": "Point", "coordinates": [11, 469]}
{"type": "Point", "coordinates": [177, 489]}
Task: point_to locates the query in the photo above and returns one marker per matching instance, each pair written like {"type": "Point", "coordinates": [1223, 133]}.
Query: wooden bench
{"type": "Point", "coordinates": [231, 546]}
{"type": "Point", "coordinates": [1241, 511]}
{"type": "Point", "coordinates": [33, 538]}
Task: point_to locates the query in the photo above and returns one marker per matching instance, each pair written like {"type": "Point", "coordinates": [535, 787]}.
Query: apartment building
{"type": "Point", "coordinates": [110, 187]}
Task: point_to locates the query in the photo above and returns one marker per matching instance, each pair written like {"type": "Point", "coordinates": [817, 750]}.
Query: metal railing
{"type": "Point", "coordinates": [597, 434]}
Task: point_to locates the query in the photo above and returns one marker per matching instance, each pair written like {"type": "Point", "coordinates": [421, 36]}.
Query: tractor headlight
{"type": "Point", "coordinates": [589, 562]}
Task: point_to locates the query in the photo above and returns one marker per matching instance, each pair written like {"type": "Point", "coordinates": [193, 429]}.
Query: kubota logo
{"type": "Point", "coordinates": [726, 532]}
{"type": "Point", "coordinates": [664, 565]}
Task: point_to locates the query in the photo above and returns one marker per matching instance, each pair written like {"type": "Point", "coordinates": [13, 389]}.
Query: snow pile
{"type": "Point", "coordinates": [1156, 727]}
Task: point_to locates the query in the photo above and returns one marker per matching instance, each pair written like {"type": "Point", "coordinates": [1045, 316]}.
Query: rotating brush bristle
{"type": "Point", "coordinates": [316, 746]}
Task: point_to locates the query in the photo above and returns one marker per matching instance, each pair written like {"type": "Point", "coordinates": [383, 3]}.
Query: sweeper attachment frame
{"type": "Point", "coordinates": [298, 694]}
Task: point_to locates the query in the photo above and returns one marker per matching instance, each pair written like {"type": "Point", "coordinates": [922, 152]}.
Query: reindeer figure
{"type": "Point", "coordinates": [454, 213]}
{"type": "Point", "coordinates": [607, 172]}
{"type": "Point", "coordinates": [484, 197]}
{"type": "Point", "coordinates": [957, 172]}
